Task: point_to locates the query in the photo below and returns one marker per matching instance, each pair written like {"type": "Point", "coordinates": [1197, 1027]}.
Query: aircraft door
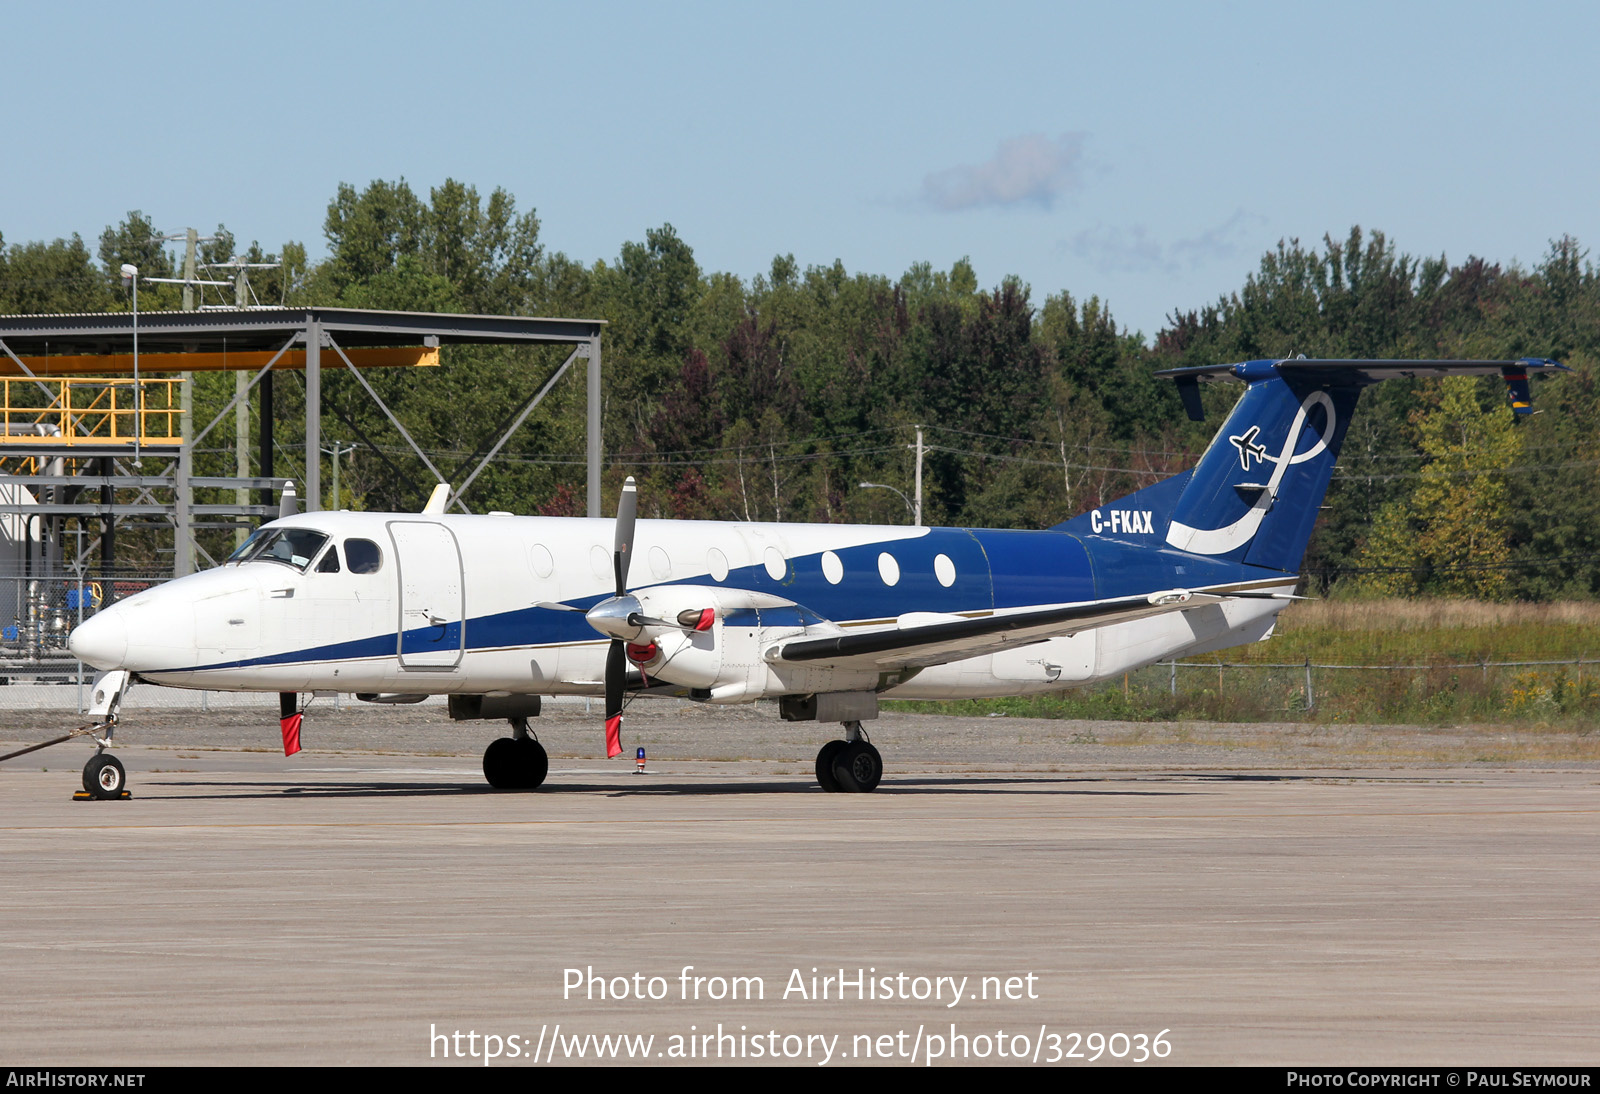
{"type": "Point", "coordinates": [432, 609]}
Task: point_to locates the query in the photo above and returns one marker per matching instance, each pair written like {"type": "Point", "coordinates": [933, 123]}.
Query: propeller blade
{"type": "Point", "coordinates": [289, 720]}
{"type": "Point", "coordinates": [616, 680]}
{"type": "Point", "coordinates": [627, 511]}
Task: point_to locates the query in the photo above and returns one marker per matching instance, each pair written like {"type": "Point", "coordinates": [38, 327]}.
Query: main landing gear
{"type": "Point", "coordinates": [850, 766]}
{"type": "Point", "coordinates": [518, 762]}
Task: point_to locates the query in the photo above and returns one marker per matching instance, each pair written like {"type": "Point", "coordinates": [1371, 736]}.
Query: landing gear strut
{"type": "Point", "coordinates": [518, 762]}
{"type": "Point", "coordinates": [850, 766]}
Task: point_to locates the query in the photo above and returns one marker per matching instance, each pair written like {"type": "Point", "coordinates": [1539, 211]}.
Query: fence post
{"type": "Point", "coordinates": [81, 707]}
{"type": "Point", "coordinates": [1311, 699]}
{"type": "Point", "coordinates": [1172, 680]}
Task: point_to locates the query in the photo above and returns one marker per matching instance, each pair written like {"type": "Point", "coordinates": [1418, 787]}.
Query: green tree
{"type": "Point", "coordinates": [1451, 536]}
{"type": "Point", "coordinates": [37, 278]}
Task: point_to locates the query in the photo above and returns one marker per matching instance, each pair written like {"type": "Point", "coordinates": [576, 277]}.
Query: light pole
{"type": "Point", "coordinates": [885, 486]}
{"type": "Point", "coordinates": [131, 272]}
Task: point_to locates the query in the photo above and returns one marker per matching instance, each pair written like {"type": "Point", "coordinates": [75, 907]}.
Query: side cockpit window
{"type": "Point", "coordinates": [362, 556]}
{"type": "Point", "coordinates": [330, 560]}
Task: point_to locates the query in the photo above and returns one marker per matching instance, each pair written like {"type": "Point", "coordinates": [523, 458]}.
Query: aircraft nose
{"type": "Point", "coordinates": [101, 641]}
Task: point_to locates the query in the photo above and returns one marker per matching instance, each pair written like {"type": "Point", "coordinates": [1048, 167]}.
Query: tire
{"type": "Point", "coordinates": [533, 763]}
{"type": "Point", "coordinates": [500, 764]}
{"type": "Point", "coordinates": [857, 768]}
{"type": "Point", "coordinates": [825, 758]}
{"type": "Point", "coordinates": [104, 777]}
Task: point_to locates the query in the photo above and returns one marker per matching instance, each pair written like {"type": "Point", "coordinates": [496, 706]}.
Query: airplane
{"type": "Point", "coordinates": [495, 611]}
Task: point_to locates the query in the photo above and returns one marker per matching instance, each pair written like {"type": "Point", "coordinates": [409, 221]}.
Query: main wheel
{"type": "Point", "coordinates": [500, 764]}
{"type": "Point", "coordinates": [857, 768]}
{"type": "Point", "coordinates": [533, 763]}
{"type": "Point", "coordinates": [825, 758]}
{"type": "Point", "coordinates": [104, 777]}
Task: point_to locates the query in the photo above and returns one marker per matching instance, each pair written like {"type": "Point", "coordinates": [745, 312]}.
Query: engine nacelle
{"type": "Point", "coordinates": [725, 659]}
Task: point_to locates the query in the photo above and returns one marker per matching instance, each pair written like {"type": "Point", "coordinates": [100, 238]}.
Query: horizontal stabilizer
{"type": "Point", "coordinates": [1360, 374]}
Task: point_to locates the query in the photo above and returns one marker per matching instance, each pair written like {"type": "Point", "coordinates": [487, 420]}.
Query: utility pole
{"type": "Point", "coordinates": [131, 274]}
{"type": "Point", "coordinates": [184, 561]}
{"type": "Point", "coordinates": [241, 419]}
{"type": "Point", "coordinates": [918, 521]}
{"type": "Point", "coordinates": [242, 297]}
{"type": "Point", "coordinates": [335, 452]}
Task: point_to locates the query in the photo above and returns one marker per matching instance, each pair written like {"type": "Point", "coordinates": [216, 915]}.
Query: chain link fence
{"type": "Point", "coordinates": [1432, 692]}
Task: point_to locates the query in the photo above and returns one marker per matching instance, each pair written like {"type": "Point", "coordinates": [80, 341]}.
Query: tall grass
{"type": "Point", "coordinates": [1448, 650]}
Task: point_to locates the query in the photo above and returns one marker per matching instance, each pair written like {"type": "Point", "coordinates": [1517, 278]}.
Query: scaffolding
{"type": "Point", "coordinates": [88, 435]}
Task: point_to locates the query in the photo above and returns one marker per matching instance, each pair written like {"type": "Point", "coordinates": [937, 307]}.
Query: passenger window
{"type": "Point", "coordinates": [330, 560]}
{"type": "Point", "coordinates": [363, 556]}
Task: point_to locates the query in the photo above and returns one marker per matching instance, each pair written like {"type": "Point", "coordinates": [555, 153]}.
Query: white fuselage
{"type": "Point", "coordinates": [453, 606]}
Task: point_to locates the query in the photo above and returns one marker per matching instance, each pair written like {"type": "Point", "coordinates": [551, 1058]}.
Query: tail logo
{"type": "Point", "coordinates": [1220, 541]}
{"type": "Point", "coordinates": [1246, 444]}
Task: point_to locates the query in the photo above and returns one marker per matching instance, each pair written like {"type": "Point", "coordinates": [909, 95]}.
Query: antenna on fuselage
{"type": "Point", "coordinates": [437, 501]}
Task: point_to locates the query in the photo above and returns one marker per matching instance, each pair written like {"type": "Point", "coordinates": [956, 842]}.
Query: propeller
{"type": "Point", "coordinates": [616, 617]}
{"type": "Point", "coordinates": [621, 618]}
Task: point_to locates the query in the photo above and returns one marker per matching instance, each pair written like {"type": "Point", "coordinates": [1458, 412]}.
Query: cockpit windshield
{"type": "Point", "coordinates": [291, 546]}
{"type": "Point", "coordinates": [249, 546]}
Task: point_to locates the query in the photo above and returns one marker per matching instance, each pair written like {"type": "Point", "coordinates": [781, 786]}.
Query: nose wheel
{"type": "Point", "coordinates": [104, 777]}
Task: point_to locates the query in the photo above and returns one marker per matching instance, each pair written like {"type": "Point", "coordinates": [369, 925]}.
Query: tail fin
{"type": "Point", "coordinates": [1254, 496]}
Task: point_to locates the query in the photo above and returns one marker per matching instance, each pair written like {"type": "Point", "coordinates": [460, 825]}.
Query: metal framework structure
{"type": "Point", "coordinates": [47, 350]}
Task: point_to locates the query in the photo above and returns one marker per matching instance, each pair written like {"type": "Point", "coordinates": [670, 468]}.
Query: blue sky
{"type": "Point", "coordinates": [1147, 153]}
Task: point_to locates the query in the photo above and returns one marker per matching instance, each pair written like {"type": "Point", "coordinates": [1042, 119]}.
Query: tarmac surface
{"type": "Point", "coordinates": [1229, 894]}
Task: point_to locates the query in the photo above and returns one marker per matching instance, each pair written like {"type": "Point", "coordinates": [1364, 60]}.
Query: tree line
{"type": "Point", "coordinates": [774, 397]}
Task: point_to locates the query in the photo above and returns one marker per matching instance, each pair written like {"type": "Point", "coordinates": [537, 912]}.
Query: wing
{"type": "Point", "coordinates": [926, 644]}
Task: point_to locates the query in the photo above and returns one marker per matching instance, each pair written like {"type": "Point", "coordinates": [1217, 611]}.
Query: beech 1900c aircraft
{"type": "Point", "coordinates": [495, 611]}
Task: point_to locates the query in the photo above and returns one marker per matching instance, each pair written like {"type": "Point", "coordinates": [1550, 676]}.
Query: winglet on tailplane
{"type": "Point", "coordinates": [1253, 498]}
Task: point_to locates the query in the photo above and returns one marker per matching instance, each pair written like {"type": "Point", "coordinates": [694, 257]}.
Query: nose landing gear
{"type": "Point", "coordinates": [104, 778]}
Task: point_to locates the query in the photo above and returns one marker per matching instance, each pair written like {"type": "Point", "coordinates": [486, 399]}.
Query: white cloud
{"type": "Point", "coordinates": [1118, 250]}
{"type": "Point", "coordinates": [1028, 170]}
{"type": "Point", "coordinates": [1133, 250]}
